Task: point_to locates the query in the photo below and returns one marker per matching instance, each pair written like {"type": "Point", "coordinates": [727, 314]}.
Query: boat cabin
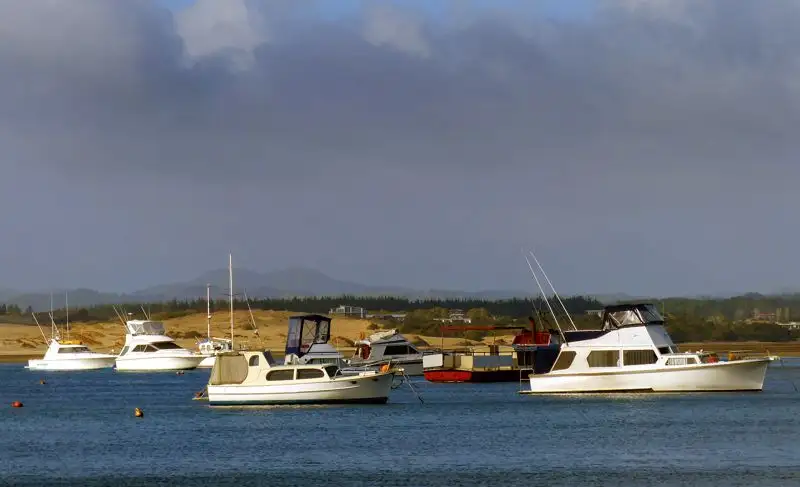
{"type": "Point", "coordinates": [307, 341]}
{"type": "Point", "coordinates": [231, 368]}
{"type": "Point", "coordinates": [384, 345]}
{"type": "Point", "coordinates": [145, 327]}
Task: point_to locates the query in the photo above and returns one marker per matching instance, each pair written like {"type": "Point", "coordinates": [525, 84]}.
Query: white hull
{"type": "Point", "coordinates": [411, 368]}
{"type": "Point", "coordinates": [152, 364]}
{"type": "Point", "coordinates": [73, 363]}
{"type": "Point", "coordinates": [739, 375]}
{"type": "Point", "coordinates": [367, 389]}
{"type": "Point", "coordinates": [207, 362]}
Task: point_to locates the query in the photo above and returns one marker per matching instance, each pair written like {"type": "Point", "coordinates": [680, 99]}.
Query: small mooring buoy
{"type": "Point", "coordinates": [180, 372]}
{"type": "Point", "coordinates": [42, 382]}
{"type": "Point", "coordinates": [138, 413]}
{"type": "Point", "coordinates": [16, 404]}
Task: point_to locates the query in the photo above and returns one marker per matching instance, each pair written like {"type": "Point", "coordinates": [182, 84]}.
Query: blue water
{"type": "Point", "coordinates": [79, 429]}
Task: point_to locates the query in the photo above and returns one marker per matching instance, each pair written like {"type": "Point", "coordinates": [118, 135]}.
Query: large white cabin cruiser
{"type": "Point", "coordinates": [254, 378]}
{"type": "Point", "coordinates": [148, 348]}
{"type": "Point", "coordinates": [634, 353]}
{"type": "Point", "coordinates": [388, 346]}
{"type": "Point", "coordinates": [71, 355]}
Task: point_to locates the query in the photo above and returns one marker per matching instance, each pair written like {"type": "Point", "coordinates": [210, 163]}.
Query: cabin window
{"type": "Point", "coordinates": [664, 350]}
{"type": "Point", "coordinates": [603, 358]}
{"type": "Point", "coordinates": [639, 357]}
{"type": "Point", "coordinates": [151, 348]}
{"type": "Point", "coordinates": [140, 348]}
{"type": "Point", "coordinates": [681, 361]}
{"type": "Point", "coordinates": [564, 360]}
{"type": "Point", "coordinates": [396, 350]}
{"type": "Point", "coordinates": [124, 350]}
{"type": "Point", "coordinates": [73, 350]}
{"type": "Point", "coordinates": [253, 361]}
{"type": "Point", "coordinates": [332, 370]}
{"type": "Point", "coordinates": [309, 374]}
{"type": "Point", "coordinates": [281, 374]}
{"type": "Point", "coordinates": [166, 345]}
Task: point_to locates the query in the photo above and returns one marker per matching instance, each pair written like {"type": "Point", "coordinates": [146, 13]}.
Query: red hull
{"type": "Point", "coordinates": [471, 376]}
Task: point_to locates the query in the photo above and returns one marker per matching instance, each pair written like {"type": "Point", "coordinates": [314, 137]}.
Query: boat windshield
{"type": "Point", "coordinates": [640, 314]}
{"type": "Point", "coordinates": [166, 345]}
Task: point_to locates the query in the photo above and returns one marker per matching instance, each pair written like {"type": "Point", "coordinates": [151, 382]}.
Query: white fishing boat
{"type": "Point", "coordinates": [633, 352]}
{"type": "Point", "coordinates": [148, 348]}
{"type": "Point", "coordinates": [388, 346]}
{"type": "Point", "coordinates": [67, 355]}
{"type": "Point", "coordinates": [253, 378]}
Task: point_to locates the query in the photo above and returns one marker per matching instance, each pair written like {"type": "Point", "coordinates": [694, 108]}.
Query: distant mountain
{"type": "Point", "coordinates": [295, 281]}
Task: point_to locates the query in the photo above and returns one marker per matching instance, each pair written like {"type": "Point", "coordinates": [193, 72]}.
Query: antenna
{"type": "Point", "coordinates": [53, 328]}
{"type": "Point", "coordinates": [46, 341]}
{"type": "Point", "coordinates": [146, 314]}
{"type": "Point", "coordinates": [120, 317]}
{"type": "Point", "coordinates": [252, 320]}
{"type": "Point", "coordinates": [554, 291]}
{"type": "Point", "coordinates": [66, 305]}
{"type": "Point", "coordinates": [544, 296]}
{"type": "Point", "coordinates": [230, 283]}
{"type": "Point", "coordinates": [208, 309]}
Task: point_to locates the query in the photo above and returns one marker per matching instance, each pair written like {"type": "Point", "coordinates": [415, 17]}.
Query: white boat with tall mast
{"type": "Point", "coordinates": [67, 355]}
{"type": "Point", "coordinates": [211, 346]}
{"type": "Point", "coordinates": [633, 352]}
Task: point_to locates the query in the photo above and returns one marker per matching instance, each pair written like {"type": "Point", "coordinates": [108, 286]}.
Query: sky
{"type": "Point", "coordinates": [638, 146]}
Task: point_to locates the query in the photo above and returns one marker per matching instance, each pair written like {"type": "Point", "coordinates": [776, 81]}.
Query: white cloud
{"type": "Point", "coordinates": [400, 29]}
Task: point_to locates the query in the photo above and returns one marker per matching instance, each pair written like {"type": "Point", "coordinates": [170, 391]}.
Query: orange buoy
{"type": "Point", "coordinates": [42, 381]}
{"type": "Point", "coordinates": [16, 404]}
{"type": "Point", "coordinates": [138, 413]}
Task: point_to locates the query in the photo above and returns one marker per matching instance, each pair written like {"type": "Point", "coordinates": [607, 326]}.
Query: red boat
{"type": "Point", "coordinates": [493, 365]}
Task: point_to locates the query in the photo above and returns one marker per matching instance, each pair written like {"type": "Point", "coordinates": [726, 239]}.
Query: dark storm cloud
{"type": "Point", "coordinates": [679, 106]}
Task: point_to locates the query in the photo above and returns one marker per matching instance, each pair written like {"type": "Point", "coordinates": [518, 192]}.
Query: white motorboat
{"type": "Point", "coordinates": [71, 355]}
{"type": "Point", "coordinates": [634, 353]}
{"type": "Point", "coordinates": [148, 348]}
{"type": "Point", "coordinates": [66, 355]}
{"type": "Point", "coordinates": [388, 346]}
{"type": "Point", "coordinates": [253, 378]}
{"type": "Point", "coordinates": [210, 348]}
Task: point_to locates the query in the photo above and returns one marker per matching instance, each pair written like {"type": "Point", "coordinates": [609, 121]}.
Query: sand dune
{"type": "Point", "coordinates": [187, 330]}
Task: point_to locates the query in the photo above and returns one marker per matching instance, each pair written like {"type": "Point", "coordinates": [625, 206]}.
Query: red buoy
{"type": "Point", "coordinates": [16, 404]}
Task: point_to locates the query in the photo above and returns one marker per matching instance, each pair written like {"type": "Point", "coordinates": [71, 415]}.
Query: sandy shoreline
{"type": "Point", "coordinates": [20, 343]}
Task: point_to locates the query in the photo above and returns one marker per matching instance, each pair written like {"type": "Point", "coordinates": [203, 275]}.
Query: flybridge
{"type": "Point", "coordinates": [145, 327]}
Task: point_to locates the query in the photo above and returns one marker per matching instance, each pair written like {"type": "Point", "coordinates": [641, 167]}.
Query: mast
{"type": "Point", "coordinates": [208, 309]}
{"type": "Point", "coordinates": [546, 300]}
{"type": "Point", "coordinates": [230, 284]}
{"type": "Point", "coordinates": [53, 328]}
{"type": "Point", "coordinates": [569, 317]}
{"type": "Point", "coordinates": [66, 304]}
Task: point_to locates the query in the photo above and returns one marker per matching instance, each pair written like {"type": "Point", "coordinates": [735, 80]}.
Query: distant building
{"type": "Point", "coordinates": [390, 316]}
{"type": "Point", "coordinates": [456, 315]}
{"type": "Point", "coordinates": [348, 311]}
{"type": "Point", "coordinates": [595, 312]}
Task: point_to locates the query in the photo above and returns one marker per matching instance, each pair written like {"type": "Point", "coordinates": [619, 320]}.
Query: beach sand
{"type": "Point", "coordinates": [23, 342]}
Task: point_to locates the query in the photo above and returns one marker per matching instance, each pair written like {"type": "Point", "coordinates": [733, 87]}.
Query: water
{"type": "Point", "coordinates": [79, 430]}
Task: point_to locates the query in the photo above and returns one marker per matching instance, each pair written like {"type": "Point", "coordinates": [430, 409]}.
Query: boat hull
{"type": "Point", "coordinates": [154, 364]}
{"type": "Point", "coordinates": [87, 363]}
{"type": "Point", "coordinates": [455, 375]}
{"type": "Point", "coordinates": [371, 389]}
{"type": "Point", "coordinates": [739, 375]}
{"type": "Point", "coordinates": [207, 362]}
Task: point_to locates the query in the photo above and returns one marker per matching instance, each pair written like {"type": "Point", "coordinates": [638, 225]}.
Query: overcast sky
{"type": "Point", "coordinates": [640, 146]}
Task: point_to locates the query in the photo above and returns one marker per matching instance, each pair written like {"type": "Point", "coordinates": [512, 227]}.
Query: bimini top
{"type": "Point", "coordinates": [145, 327]}
{"type": "Point", "coordinates": [307, 330]}
{"type": "Point", "coordinates": [633, 314]}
